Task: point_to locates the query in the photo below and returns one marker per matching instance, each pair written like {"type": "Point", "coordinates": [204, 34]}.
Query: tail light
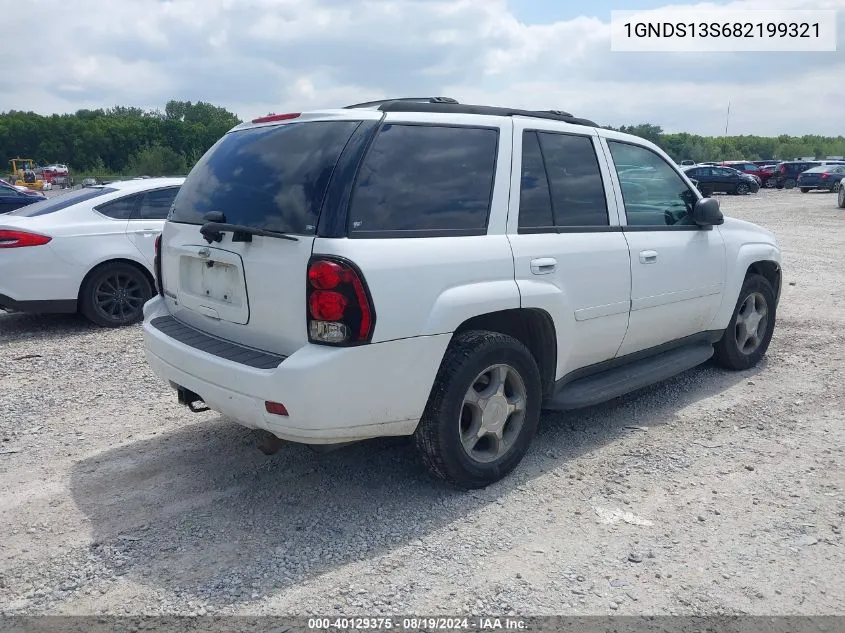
{"type": "Point", "coordinates": [825, 176]}
{"type": "Point", "coordinates": [340, 309]}
{"type": "Point", "coordinates": [157, 265]}
{"type": "Point", "coordinates": [276, 117]}
{"type": "Point", "coordinates": [17, 239]}
{"type": "Point", "coordinates": [783, 169]}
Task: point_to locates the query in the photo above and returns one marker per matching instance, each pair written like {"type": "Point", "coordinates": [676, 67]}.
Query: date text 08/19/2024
{"type": "Point", "coordinates": [416, 624]}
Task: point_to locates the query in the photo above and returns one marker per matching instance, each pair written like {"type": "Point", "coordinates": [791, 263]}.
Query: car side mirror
{"type": "Point", "coordinates": [706, 212]}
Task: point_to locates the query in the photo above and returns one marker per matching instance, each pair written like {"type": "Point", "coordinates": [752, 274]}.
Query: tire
{"type": "Point", "coordinates": [757, 295]}
{"type": "Point", "coordinates": [805, 189]}
{"type": "Point", "coordinates": [472, 361]}
{"type": "Point", "coordinates": [97, 299]}
{"type": "Point", "coordinates": [789, 183]}
{"type": "Point", "coordinates": [840, 198]}
{"type": "Point", "coordinates": [742, 189]}
{"type": "Point", "coordinates": [834, 188]}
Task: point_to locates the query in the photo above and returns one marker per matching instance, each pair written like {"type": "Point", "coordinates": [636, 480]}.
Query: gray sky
{"type": "Point", "coordinates": [257, 56]}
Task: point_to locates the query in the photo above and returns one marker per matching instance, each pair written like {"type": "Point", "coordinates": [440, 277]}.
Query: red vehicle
{"type": "Point", "coordinates": [747, 167]}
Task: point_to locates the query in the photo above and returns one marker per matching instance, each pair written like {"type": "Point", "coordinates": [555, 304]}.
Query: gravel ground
{"type": "Point", "coordinates": [712, 493]}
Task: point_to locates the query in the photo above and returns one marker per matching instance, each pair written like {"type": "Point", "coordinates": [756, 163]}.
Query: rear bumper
{"type": "Point", "coordinates": [38, 307]}
{"type": "Point", "coordinates": [332, 395]}
{"type": "Point", "coordinates": [35, 279]}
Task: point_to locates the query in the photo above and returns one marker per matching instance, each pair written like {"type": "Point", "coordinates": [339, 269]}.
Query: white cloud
{"type": "Point", "coordinates": [258, 56]}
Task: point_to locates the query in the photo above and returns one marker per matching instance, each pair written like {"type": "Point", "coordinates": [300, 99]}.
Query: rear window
{"type": "Point", "coordinates": [62, 201]}
{"type": "Point", "coordinates": [271, 178]}
{"type": "Point", "coordinates": [420, 180]}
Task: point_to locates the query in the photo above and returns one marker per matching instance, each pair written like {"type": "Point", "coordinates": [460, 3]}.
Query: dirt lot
{"type": "Point", "coordinates": [712, 493]}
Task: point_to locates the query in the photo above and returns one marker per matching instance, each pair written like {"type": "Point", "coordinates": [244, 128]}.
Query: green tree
{"type": "Point", "coordinates": [157, 160]}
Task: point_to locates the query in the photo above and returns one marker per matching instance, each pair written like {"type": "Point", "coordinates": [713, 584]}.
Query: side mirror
{"type": "Point", "coordinates": [706, 212]}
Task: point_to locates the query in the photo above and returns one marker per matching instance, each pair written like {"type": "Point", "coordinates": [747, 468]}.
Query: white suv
{"type": "Point", "coordinates": [422, 267]}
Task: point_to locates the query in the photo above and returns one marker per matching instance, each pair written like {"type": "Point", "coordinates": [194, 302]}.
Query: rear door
{"type": "Point", "coordinates": [249, 288]}
{"type": "Point", "coordinates": [570, 255]}
{"type": "Point", "coordinates": [148, 219]}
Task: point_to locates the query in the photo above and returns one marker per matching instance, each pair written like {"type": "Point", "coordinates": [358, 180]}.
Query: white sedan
{"type": "Point", "coordinates": [90, 251]}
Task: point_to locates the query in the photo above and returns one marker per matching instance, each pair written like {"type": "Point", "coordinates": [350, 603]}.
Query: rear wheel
{"type": "Point", "coordinates": [804, 189]}
{"type": "Point", "coordinates": [840, 200]}
{"type": "Point", "coordinates": [483, 410]}
{"type": "Point", "coordinates": [750, 330]}
{"type": "Point", "coordinates": [114, 295]}
{"type": "Point", "coordinates": [789, 183]}
{"type": "Point", "coordinates": [835, 186]}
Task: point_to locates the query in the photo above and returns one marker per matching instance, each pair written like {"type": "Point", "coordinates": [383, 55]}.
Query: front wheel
{"type": "Point", "coordinates": [750, 330]}
{"type": "Point", "coordinates": [483, 410]}
{"type": "Point", "coordinates": [840, 200]}
{"type": "Point", "coordinates": [805, 189]}
{"type": "Point", "coordinates": [742, 189]}
{"type": "Point", "coordinates": [114, 295]}
{"type": "Point", "coordinates": [790, 183]}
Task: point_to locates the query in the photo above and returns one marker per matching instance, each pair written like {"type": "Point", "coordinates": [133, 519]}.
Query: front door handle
{"type": "Point", "coordinates": [648, 257]}
{"type": "Point", "coordinates": [543, 265]}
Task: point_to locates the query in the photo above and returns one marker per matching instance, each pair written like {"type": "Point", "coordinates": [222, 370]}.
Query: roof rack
{"type": "Point", "coordinates": [453, 107]}
{"type": "Point", "coordinates": [372, 104]}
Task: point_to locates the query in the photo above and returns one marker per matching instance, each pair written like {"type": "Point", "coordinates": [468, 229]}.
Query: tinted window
{"type": "Point", "coordinates": [424, 177]}
{"type": "Point", "coordinates": [156, 204]}
{"type": "Point", "coordinates": [273, 178]}
{"type": "Point", "coordinates": [662, 199]}
{"type": "Point", "coordinates": [535, 203]}
{"type": "Point", "coordinates": [575, 180]}
{"type": "Point", "coordinates": [120, 209]}
{"type": "Point", "coordinates": [62, 201]}
{"type": "Point", "coordinates": [10, 192]}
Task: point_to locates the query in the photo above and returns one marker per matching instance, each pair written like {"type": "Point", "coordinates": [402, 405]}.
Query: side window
{"type": "Point", "coordinates": [578, 197]}
{"type": "Point", "coordinates": [156, 204]}
{"type": "Point", "coordinates": [425, 178]}
{"type": "Point", "coordinates": [535, 202]}
{"type": "Point", "coordinates": [120, 209]}
{"type": "Point", "coordinates": [661, 199]}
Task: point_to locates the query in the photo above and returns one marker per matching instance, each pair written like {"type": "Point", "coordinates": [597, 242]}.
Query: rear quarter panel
{"type": "Point", "coordinates": [429, 285]}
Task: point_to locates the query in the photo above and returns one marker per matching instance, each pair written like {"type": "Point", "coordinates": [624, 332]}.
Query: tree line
{"type": "Point", "coordinates": [133, 141]}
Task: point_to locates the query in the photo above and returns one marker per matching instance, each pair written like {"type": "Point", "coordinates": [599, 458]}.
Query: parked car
{"type": "Point", "coordinates": [89, 182]}
{"type": "Point", "coordinates": [765, 163]}
{"type": "Point", "coordinates": [687, 162]}
{"type": "Point", "coordinates": [89, 250]}
{"type": "Point", "coordinates": [767, 172]}
{"type": "Point", "coordinates": [749, 168]}
{"type": "Point", "coordinates": [723, 180]}
{"type": "Point", "coordinates": [345, 274]}
{"type": "Point", "coordinates": [827, 177]}
{"type": "Point", "coordinates": [12, 197]}
{"type": "Point", "coordinates": [786, 174]}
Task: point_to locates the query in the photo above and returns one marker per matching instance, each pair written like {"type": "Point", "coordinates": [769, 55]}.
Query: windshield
{"type": "Point", "coordinates": [271, 178]}
{"type": "Point", "coordinates": [60, 202]}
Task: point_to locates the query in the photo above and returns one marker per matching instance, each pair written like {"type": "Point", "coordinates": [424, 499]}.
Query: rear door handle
{"type": "Point", "coordinates": [648, 257]}
{"type": "Point", "coordinates": [543, 265]}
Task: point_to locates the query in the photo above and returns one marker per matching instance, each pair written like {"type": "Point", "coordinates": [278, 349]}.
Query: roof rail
{"type": "Point", "coordinates": [446, 107]}
{"type": "Point", "coordinates": [372, 104]}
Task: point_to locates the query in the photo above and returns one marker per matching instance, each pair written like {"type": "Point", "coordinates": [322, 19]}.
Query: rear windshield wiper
{"type": "Point", "coordinates": [213, 232]}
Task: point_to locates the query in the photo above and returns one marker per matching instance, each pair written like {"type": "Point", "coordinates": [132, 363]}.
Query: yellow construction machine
{"type": "Point", "coordinates": [23, 174]}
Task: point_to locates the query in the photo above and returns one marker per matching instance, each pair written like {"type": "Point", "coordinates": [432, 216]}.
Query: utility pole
{"type": "Point", "coordinates": [727, 118]}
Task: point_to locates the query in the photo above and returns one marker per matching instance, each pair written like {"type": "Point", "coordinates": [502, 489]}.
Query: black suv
{"type": "Point", "coordinates": [786, 173]}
